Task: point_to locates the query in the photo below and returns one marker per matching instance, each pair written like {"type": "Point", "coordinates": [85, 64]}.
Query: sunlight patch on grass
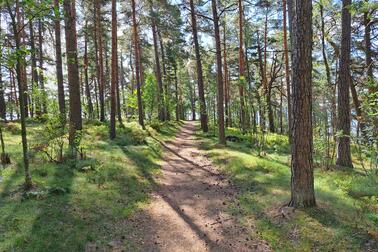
{"type": "Point", "coordinates": [96, 200]}
{"type": "Point", "coordinates": [264, 183]}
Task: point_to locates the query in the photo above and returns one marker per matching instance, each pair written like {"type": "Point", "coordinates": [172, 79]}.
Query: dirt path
{"type": "Point", "coordinates": [188, 209]}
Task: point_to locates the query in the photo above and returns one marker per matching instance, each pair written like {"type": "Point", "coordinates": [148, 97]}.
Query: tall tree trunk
{"type": "Point", "coordinates": [287, 69]}
{"type": "Point", "coordinates": [34, 75]}
{"type": "Point", "coordinates": [160, 95]}
{"type": "Point", "coordinates": [344, 158]}
{"type": "Point", "coordinates": [59, 65]}
{"type": "Point", "coordinates": [95, 85]}
{"type": "Point", "coordinates": [373, 86]}
{"type": "Point", "coordinates": [242, 77]}
{"type": "Point", "coordinates": [20, 24]}
{"type": "Point", "coordinates": [101, 78]}
{"type": "Point", "coordinates": [302, 174]}
{"type": "Point", "coordinates": [137, 66]}
{"type": "Point", "coordinates": [123, 84]}
{"type": "Point", "coordinates": [328, 74]}
{"type": "Point", "coordinates": [41, 68]}
{"type": "Point", "coordinates": [118, 99]}
{"type": "Point", "coordinates": [165, 77]}
{"type": "Point", "coordinates": [201, 91]}
{"type": "Point", "coordinates": [192, 99]}
{"type": "Point", "coordinates": [281, 109]}
{"type": "Point", "coordinates": [176, 93]}
{"type": "Point", "coordinates": [263, 83]}
{"type": "Point", "coordinates": [19, 65]}
{"type": "Point", "coordinates": [220, 88]}
{"type": "Point", "coordinates": [267, 89]}
{"type": "Point", "coordinates": [14, 93]}
{"type": "Point", "coordinates": [73, 71]}
{"type": "Point", "coordinates": [368, 52]}
{"type": "Point", "coordinates": [86, 77]}
{"type": "Point", "coordinates": [113, 105]}
{"type": "Point", "coordinates": [3, 109]}
{"type": "Point", "coordinates": [226, 83]}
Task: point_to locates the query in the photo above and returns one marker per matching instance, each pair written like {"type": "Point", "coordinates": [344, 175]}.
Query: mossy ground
{"type": "Point", "coordinates": [340, 222]}
{"type": "Point", "coordinates": [83, 207]}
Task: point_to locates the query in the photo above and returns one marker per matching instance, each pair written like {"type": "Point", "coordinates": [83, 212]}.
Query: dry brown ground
{"type": "Point", "coordinates": [189, 203]}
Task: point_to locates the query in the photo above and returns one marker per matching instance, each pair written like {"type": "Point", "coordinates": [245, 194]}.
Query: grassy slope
{"type": "Point", "coordinates": [98, 202]}
{"type": "Point", "coordinates": [339, 223]}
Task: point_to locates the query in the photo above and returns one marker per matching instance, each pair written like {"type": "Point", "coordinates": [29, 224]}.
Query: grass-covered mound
{"type": "Point", "coordinates": [76, 204]}
{"type": "Point", "coordinates": [346, 218]}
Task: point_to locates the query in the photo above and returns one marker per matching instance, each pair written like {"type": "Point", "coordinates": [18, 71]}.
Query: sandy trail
{"type": "Point", "coordinates": [188, 209]}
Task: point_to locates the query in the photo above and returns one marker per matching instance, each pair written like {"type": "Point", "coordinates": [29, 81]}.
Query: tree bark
{"type": "Point", "coordinates": [344, 158]}
{"type": "Point", "coordinates": [368, 52]}
{"type": "Point", "coordinates": [41, 69]}
{"type": "Point", "coordinates": [226, 83]}
{"type": "Point", "coordinates": [114, 83]}
{"type": "Point", "coordinates": [101, 77]}
{"type": "Point", "coordinates": [160, 95]}
{"type": "Point", "coordinates": [3, 109]}
{"type": "Point", "coordinates": [287, 70]}
{"type": "Point", "coordinates": [59, 65]}
{"type": "Point", "coordinates": [137, 66]}
{"type": "Point", "coordinates": [263, 83]}
{"type": "Point", "coordinates": [73, 71]}
{"type": "Point", "coordinates": [328, 74]}
{"type": "Point", "coordinates": [242, 77]}
{"type": "Point", "coordinates": [86, 77]}
{"type": "Point", "coordinates": [201, 91]}
{"type": "Point", "coordinates": [19, 65]}
{"type": "Point", "coordinates": [220, 88]}
{"type": "Point", "coordinates": [302, 174]}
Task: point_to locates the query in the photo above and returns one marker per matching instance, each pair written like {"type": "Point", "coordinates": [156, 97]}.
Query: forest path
{"type": "Point", "coordinates": [188, 208]}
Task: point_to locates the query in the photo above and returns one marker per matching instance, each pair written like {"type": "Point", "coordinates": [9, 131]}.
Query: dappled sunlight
{"type": "Point", "coordinates": [265, 186]}
{"type": "Point", "coordinates": [93, 196]}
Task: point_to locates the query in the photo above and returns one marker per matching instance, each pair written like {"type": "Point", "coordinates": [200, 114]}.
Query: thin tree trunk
{"type": "Point", "coordinates": [176, 93]}
{"type": "Point", "coordinates": [113, 105]}
{"type": "Point", "coordinates": [226, 84]}
{"type": "Point", "coordinates": [3, 109]}
{"type": "Point", "coordinates": [267, 89]}
{"type": "Point", "coordinates": [160, 95]}
{"type": "Point", "coordinates": [20, 23]}
{"type": "Point", "coordinates": [86, 65]}
{"type": "Point", "coordinates": [101, 78]}
{"type": "Point", "coordinates": [242, 77]}
{"type": "Point", "coordinates": [220, 88]}
{"type": "Point", "coordinates": [59, 65]}
{"type": "Point", "coordinates": [302, 174]}
{"type": "Point", "coordinates": [368, 52]}
{"type": "Point", "coordinates": [137, 66]}
{"type": "Point", "coordinates": [328, 74]}
{"type": "Point", "coordinates": [19, 65]}
{"type": "Point", "coordinates": [34, 70]}
{"type": "Point", "coordinates": [201, 91]}
{"type": "Point", "coordinates": [118, 99]}
{"type": "Point", "coordinates": [344, 158]}
{"type": "Point", "coordinates": [73, 72]}
{"type": "Point", "coordinates": [287, 69]}
{"type": "Point", "coordinates": [123, 84]}
{"type": "Point", "coordinates": [263, 80]}
{"type": "Point", "coordinates": [281, 109]}
{"type": "Point", "coordinates": [95, 85]}
{"type": "Point", "coordinates": [41, 68]}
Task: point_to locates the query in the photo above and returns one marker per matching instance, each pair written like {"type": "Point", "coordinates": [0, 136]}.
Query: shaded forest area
{"type": "Point", "coordinates": [285, 92]}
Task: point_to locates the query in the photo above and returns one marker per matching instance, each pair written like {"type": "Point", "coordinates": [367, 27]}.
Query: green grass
{"type": "Point", "coordinates": [340, 222]}
{"type": "Point", "coordinates": [70, 208]}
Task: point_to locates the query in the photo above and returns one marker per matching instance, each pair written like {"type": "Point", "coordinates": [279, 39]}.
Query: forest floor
{"type": "Point", "coordinates": [188, 211]}
{"type": "Point", "coordinates": [173, 188]}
